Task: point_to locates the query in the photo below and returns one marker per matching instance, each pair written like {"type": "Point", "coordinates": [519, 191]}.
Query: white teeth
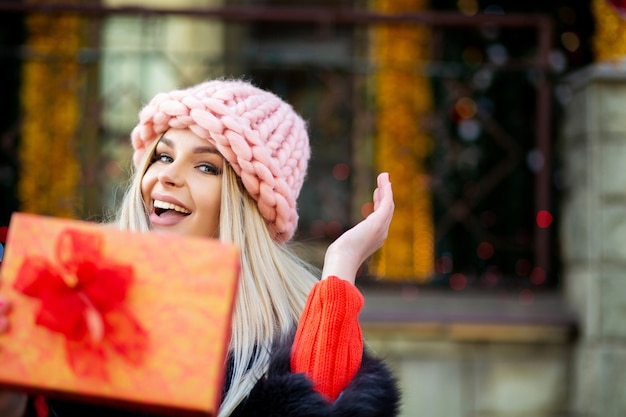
{"type": "Point", "coordinates": [170, 206]}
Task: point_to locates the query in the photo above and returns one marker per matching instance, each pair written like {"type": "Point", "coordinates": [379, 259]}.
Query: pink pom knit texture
{"type": "Point", "coordinates": [261, 137]}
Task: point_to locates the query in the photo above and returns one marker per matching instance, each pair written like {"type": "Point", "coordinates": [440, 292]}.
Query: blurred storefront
{"type": "Point", "coordinates": [498, 292]}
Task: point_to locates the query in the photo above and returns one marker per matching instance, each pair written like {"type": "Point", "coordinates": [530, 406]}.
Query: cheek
{"type": "Point", "coordinates": [211, 200]}
{"type": "Point", "coordinates": [211, 206]}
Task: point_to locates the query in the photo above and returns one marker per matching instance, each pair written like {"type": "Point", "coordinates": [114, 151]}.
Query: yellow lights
{"type": "Point", "coordinates": [609, 41]}
{"type": "Point", "coordinates": [403, 100]}
{"type": "Point", "coordinates": [49, 96]}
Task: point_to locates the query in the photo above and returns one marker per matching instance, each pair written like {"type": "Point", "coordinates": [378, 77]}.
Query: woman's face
{"type": "Point", "coordinates": [182, 188]}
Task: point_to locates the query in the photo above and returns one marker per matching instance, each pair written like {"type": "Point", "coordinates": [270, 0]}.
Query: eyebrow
{"type": "Point", "coordinates": [199, 149]}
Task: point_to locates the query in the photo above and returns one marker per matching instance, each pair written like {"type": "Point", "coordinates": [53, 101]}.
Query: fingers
{"type": "Point", "coordinates": [383, 195]}
{"type": "Point", "coordinates": [383, 178]}
{"type": "Point", "coordinates": [345, 255]}
{"type": "Point", "coordinates": [383, 189]}
{"type": "Point", "coordinates": [376, 198]}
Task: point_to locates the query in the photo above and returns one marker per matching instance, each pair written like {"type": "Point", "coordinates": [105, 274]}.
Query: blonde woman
{"type": "Point", "coordinates": [225, 159]}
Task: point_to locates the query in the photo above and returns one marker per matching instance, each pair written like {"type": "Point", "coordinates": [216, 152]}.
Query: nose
{"type": "Point", "coordinates": [171, 175]}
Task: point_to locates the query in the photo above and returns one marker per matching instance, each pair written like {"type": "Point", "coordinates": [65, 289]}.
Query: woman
{"type": "Point", "coordinates": [225, 159]}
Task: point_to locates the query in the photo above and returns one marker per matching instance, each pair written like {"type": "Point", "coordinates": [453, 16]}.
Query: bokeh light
{"type": "Point", "coordinates": [491, 277]}
{"type": "Point", "coordinates": [544, 219]}
{"type": "Point", "coordinates": [570, 41]}
{"type": "Point", "coordinates": [535, 160]}
{"type": "Point", "coordinates": [458, 282]}
{"type": "Point", "coordinates": [341, 171]}
{"type": "Point", "coordinates": [558, 60]}
{"type": "Point", "coordinates": [498, 54]}
{"type": "Point", "coordinates": [485, 250]}
{"type": "Point", "coordinates": [482, 79]}
{"type": "Point", "coordinates": [465, 107]}
{"type": "Point", "coordinates": [537, 276]}
{"type": "Point", "coordinates": [367, 209]}
{"type": "Point", "coordinates": [333, 229]}
{"type": "Point", "coordinates": [444, 264]}
{"type": "Point", "coordinates": [469, 130]}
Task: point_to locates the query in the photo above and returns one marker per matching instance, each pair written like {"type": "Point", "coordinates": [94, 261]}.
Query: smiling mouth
{"type": "Point", "coordinates": [161, 207]}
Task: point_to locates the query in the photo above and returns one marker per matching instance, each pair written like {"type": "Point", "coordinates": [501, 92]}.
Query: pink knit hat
{"type": "Point", "coordinates": [261, 136]}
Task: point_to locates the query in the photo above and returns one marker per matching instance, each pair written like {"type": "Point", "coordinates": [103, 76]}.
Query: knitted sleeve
{"type": "Point", "coordinates": [328, 347]}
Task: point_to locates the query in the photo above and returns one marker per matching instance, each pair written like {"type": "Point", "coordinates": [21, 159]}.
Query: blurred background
{"type": "Point", "coordinates": [502, 123]}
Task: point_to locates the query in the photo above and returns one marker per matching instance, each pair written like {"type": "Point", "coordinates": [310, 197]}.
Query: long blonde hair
{"type": "Point", "coordinates": [273, 287]}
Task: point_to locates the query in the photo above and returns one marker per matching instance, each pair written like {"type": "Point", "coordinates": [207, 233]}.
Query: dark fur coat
{"type": "Point", "coordinates": [372, 393]}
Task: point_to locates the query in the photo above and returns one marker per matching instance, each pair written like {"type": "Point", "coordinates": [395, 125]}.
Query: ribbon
{"type": "Point", "coordinates": [82, 297]}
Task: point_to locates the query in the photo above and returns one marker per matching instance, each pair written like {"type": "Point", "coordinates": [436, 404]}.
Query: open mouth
{"type": "Point", "coordinates": [161, 207]}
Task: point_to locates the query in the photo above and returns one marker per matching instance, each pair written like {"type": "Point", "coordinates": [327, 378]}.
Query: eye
{"type": "Point", "coordinates": [162, 157]}
{"type": "Point", "coordinates": [208, 168]}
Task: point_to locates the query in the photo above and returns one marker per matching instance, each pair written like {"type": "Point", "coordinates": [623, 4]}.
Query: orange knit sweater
{"type": "Point", "coordinates": [328, 346]}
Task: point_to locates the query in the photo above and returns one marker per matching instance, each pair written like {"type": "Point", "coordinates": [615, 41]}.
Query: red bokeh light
{"type": "Point", "coordinates": [458, 282]}
{"type": "Point", "coordinates": [341, 171]}
{"type": "Point", "coordinates": [544, 219]}
{"type": "Point", "coordinates": [491, 277]}
{"type": "Point", "coordinates": [444, 265]}
{"type": "Point", "coordinates": [367, 209]}
{"type": "Point", "coordinates": [538, 276]}
{"type": "Point", "coordinates": [333, 229]}
{"type": "Point", "coordinates": [485, 250]}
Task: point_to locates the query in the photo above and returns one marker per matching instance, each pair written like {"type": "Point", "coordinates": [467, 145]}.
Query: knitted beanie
{"type": "Point", "coordinates": [262, 138]}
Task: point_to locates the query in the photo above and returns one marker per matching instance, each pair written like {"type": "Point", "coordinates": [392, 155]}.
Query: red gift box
{"type": "Point", "coordinates": [131, 320]}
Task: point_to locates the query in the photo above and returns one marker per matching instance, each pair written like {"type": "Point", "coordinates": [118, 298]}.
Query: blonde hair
{"type": "Point", "coordinates": [273, 287]}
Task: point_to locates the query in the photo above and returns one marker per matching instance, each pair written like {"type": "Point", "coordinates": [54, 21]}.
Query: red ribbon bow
{"type": "Point", "coordinates": [82, 297]}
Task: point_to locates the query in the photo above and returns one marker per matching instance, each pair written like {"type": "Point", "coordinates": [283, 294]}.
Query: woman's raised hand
{"type": "Point", "coordinates": [346, 254]}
